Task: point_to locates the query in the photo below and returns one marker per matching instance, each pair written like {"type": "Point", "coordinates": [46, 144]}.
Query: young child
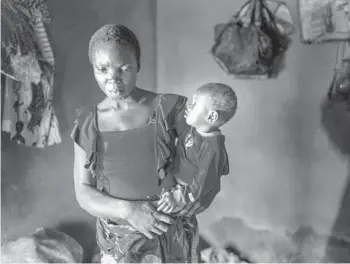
{"type": "Point", "coordinates": [201, 157]}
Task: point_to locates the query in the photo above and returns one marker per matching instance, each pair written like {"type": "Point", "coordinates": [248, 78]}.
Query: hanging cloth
{"type": "Point", "coordinates": [9, 87]}
{"type": "Point", "coordinates": [29, 116]}
{"type": "Point", "coordinates": [339, 89]}
{"type": "Point", "coordinates": [335, 108]}
{"type": "Point", "coordinates": [16, 34]}
{"type": "Point", "coordinates": [49, 128]}
{"type": "Point", "coordinates": [42, 38]}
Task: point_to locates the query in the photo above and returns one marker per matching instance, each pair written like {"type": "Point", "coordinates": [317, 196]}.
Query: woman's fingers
{"type": "Point", "coordinates": [161, 201]}
{"type": "Point", "coordinates": [162, 227]}
{"type": "Point", "coordinates": [148, 220]}
{"type": "Point", "coordinates": [158, 229]}
{"type": "Point", "coordinates": [158, 223]}
{"type": "Point", "coordinates": [147, 234]}
{"type": "Point", "coordinates": [164, 218]}
{"type": "Point", "coordinates": [168, 209]}
{"type": "Point", "coordinates": [161, 206]}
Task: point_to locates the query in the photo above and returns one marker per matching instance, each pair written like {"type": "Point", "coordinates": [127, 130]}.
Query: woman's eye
{"type": "Point", "coordinates": [126, 68]}
{"type": "Point", "coordinates": [102, 69]}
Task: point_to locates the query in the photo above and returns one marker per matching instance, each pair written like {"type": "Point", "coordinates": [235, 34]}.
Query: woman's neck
{"type": "Point", "coordinates": [123, 103]}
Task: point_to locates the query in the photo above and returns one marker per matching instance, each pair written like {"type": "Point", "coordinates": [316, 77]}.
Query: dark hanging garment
{"type": "Point", "coordinates": [335, 108]}
{"type": "Point", "coordinates": [339, 89]}
{"type": "Point", "coordinates": [250, 43]}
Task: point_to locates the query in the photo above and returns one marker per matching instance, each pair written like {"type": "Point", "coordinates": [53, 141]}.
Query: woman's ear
{"type": "Point", "coordinates": [212, 117]}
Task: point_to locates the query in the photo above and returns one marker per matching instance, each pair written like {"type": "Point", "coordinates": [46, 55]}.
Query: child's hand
{"type": "Point", "coordinates": [167, 203]}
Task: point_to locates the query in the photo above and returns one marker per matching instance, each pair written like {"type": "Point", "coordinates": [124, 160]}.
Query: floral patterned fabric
{"type": "Point", "coordinates": [124, 244]}
{"type": "Point", "coordinates": [28, 66]}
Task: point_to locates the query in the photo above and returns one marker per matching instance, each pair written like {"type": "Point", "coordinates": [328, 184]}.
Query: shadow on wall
{"type": "Point", "coordinates": [336, 122]}
{"type": "Point", "coordinates": [17, 197]}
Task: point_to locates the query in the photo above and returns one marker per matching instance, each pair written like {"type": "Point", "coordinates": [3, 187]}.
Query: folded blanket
{"type": "Point", "coordinates": [43, 246]}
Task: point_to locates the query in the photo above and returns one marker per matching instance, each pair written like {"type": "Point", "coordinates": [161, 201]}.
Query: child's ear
{"type": "Point", "coordinates": [212, 117]}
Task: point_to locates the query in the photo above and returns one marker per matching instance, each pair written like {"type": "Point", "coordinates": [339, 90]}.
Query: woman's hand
{"type": "Point", "coordinates": [144, 217]}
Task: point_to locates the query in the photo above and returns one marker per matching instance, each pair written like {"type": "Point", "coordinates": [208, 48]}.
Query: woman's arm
{"type": "Point", "coordinates": [142, 215]}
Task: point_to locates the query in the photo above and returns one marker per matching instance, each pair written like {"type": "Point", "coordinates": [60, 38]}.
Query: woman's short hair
{"type": "Point", "coordinates": [118, 35]}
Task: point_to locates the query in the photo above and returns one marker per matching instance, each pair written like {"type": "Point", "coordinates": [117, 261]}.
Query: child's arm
{"type": "Point", "coordinates": [200, 205]}
{"type": "Point", "coordinates": [175, 199]}
{"type": "Point", "coordinates": [212, 163]}
{"type": "Point", "coordinates": [208, 174]}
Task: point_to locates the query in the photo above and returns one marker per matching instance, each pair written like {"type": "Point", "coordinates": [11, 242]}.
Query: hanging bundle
{"type": "Point", "coordinates": [28, 66]}
{"type": "Point", "coordinates": [339, 89]}
{"type": "Point", "coordinates": [249, 44]}
{"type": "Point", "coordinates": [335, 108]}
{"type": "Point", "coordinates": [19, 31]}
{"type": "Point", "coordinates": [16, 32]}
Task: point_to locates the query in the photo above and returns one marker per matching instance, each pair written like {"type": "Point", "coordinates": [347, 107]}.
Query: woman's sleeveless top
{"type": "Point", "coordinates": [127, 163]}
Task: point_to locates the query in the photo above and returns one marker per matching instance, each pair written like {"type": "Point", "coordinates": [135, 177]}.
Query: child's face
{"type": "Point", "coordinates": [197, 112]}
{"type": "Point", "coordinates": [115, 70]}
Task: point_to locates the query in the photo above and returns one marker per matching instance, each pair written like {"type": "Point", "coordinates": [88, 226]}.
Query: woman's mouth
{"type": "Point", "coordinates": [112, 87]}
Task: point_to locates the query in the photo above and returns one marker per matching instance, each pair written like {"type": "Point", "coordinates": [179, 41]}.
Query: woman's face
{"type": "Point", "coordinates": [115, 70]}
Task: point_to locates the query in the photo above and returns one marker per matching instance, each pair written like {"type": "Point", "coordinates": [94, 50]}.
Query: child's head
{"type": "Point", "coordinates": [214, 104]}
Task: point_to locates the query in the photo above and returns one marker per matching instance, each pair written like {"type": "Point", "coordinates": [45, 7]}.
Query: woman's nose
{"type": "Point", "coordinates": [114, 75]}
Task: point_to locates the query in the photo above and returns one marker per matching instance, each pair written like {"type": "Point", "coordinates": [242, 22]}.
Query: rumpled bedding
{"type": "Point", "coordinates": [45, 245]}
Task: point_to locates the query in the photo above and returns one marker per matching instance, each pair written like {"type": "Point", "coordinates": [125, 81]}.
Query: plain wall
{"type": "Point", "coordinates": [284, 172]}
{"type": "Point", "coordinates": [37, 184]}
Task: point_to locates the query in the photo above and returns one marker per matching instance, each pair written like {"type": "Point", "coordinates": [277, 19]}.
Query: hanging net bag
{"type": "Point", "coordinates": [248, 45]}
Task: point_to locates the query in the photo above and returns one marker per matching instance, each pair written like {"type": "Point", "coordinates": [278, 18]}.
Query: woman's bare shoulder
{"type": "Point", "coordinates": [147, 98]}
{"type": "Point", "coordinates": [103, 105]}
{"type": "Point", "coordinates": [146, 95]}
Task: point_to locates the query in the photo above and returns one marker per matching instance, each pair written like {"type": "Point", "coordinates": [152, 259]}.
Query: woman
{"type": "Point", "coordinates": [120, 146]}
